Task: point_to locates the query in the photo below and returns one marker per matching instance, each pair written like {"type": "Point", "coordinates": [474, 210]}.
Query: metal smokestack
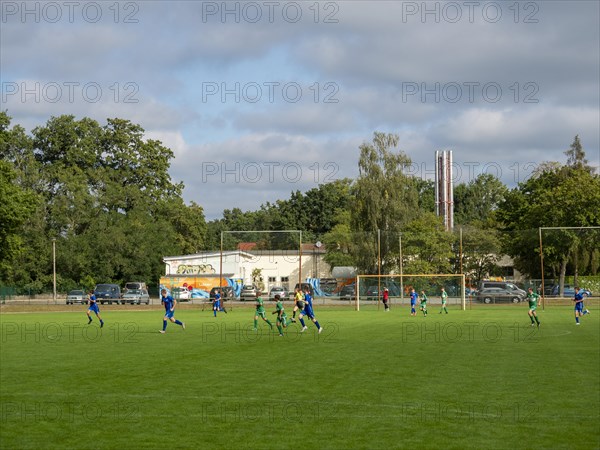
{"type": "Point", "coordinates": [444, 192]}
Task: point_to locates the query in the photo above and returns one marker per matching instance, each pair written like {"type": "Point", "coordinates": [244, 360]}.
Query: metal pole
{"type": "Point", "coordinates": [221, 264]}
{"type": "Point", "coordinates": [300, 262]}
{"type": "Point", "coordinates": [460, 258]}
{"type": "Point", "coordinates": [462, 292]}
{"type": "Point", "coordinates": [378, 266]}
{"type": "Point", "coordinates": [542, 267]}
{"type": "Point", "coordinates": [401, 270]}
{"type": "Point", "coordinates": [54, 267]}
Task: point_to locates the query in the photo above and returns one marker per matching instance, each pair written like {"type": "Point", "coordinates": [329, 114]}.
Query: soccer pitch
{"type": "Point", "coordinates": [469, 379]}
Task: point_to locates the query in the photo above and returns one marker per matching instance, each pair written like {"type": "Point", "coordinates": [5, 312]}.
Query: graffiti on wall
{"type": "Point", "coordinates": [195, 269]}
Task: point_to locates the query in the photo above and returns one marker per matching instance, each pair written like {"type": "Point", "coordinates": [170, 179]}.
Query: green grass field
{"type": "Point", "coordinates": [470, 379]}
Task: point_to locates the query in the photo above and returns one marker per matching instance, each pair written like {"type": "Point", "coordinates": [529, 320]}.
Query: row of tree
{"type": "Point", "coordinates": [105, 194]}
{"type": "Point", "coordinates": [102, 192]}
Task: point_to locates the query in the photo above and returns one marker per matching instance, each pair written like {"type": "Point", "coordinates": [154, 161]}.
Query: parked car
{"type": "Point", "coordinates": [348, 292]}
{"type": "Point", "coordinates": [226, 293]}
{"type": "Point", "coordinates": [108, 293]}
{"type": "Point", "coordinates": [77, 296]}
{"type": "Point", "coordinates": [373, 292]}
{"type": "Point", "coordinates": [569, 291]}
{"type": "Point", "coordinates": [181, 293]}
{"type": "Point", "coordinates": [249, 292]}
{"type": "Point", "coordinates": [499, 295]}
{"type": "Point", "coordinates": [135, 285]}
{"type": "Point", "coordinates": [136, 297]}
{"type": "Point", "coordinates": [502, 285]}
{"type": "Point", "coordinates": [277, 290]}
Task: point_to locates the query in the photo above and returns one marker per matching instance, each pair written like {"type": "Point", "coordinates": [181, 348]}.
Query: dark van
{"type": "Point", "coordinates": [107, 293]}
{"type": "Point", "coordinates": [502, 285]}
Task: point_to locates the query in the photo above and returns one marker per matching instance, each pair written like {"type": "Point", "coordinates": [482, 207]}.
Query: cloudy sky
{"type": "Point", "coordinates": [259, 99]}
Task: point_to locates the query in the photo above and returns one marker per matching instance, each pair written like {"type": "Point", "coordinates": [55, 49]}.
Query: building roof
{"type": "Point", "coordinates": [211, 254]}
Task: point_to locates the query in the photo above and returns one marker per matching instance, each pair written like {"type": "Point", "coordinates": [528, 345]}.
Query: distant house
{"type": "Point", "coordinates": [278, 267]}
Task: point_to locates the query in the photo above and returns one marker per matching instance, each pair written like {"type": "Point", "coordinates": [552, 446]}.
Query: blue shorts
{"type": "Point", "coordinates": [579, 307]}
{"type": "Point", "coordinates": [308, 312]}
{"type": "Point", "coordinates": [94, 307]}
{"type": "Point", "coordinates": [217, 304]}
{"type": "Point", "coordinates": [169, 314]}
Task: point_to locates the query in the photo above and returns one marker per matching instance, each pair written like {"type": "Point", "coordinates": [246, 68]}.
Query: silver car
{"type": "Point", "coordinates": [77, 296]}
{"type": "Point", "coordinates": [277, 290]}
{"type": "Point", "coordinates": [249, 292]}
{"type": "Point", "coordinates": [136, 297]}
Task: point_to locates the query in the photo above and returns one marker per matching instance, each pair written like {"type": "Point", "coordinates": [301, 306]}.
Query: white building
{"type": "Point", "coordinates": [278, 267]}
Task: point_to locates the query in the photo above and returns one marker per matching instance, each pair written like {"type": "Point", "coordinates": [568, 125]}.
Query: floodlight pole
{"type": "Point", "coordinates": [460, 256]}
{"type": "Point", "coordinates": [401, 270]}
{"type": "Point", "coordinates": [221, 264]}
{"type": "Point", "coordinates": [378, 266]}
{"type": "Point", "coordinates": [462, 292]}
{"type": "Point", "coordinates": [54, 267]}
{"type": "Point", "coordinates": [300, 262]}
{"type": "Point", "coordinates": [542, 268]}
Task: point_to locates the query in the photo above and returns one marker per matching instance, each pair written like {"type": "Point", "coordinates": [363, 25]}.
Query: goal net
{"type": "Point", "coordinates": [370, 288]}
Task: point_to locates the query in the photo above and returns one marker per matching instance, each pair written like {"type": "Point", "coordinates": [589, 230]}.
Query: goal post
{"type": "Point", "coordinates": [369, 288]}
{"type": "Point", "coordinates": [571, 256]}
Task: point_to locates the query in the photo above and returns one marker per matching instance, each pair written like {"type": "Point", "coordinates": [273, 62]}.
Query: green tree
{"type": "Point", "coordinates": [482, 249]}
{"type": "Point", "coordinates": [107, 199]}
{"type": "Point", "coordinates": [338, 241]}
{"type": "Point", "coordinates": [557, 196]}
{"type": "Point", "coordinates": [426, 246]}
{"type": "Point", "coordinates": [385, 199]}
{"type": "Point", "coordinates": [478, 200]}
{"type": "Point", "coordinates": [576, 156]}
{"type": "Point", "coordinates": [426, 193]}
{"type": "Point", "coordinates": [16, 205]}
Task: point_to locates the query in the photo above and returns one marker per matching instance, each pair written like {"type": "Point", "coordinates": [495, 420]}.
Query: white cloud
{"type": "Point", "coordinates": [374, 52]}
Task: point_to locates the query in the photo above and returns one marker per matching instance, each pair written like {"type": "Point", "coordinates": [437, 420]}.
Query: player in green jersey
{"type": "Point", "coordinates": [281, 315]}
{"type": "Point", "coordinates": [444, 300]}
{"type": "Point", "coordinates": [260, 312]}
{"type": "Point", "coordinates": [533, 299]}
{"type": "Point", "coordinates": [423, 305]}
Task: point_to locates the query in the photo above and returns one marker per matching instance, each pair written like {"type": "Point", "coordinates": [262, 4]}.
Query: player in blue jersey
{"type": "Point", "coordinates": [308, 312]}
{"type": "Point", "coordinates": [93, 307]}
{"type": "Point", "coordinates": [217, 303]}
{"type": "Point", "coordinates": [413, 302]}
{"type": "Point", "coordinates": [578, 299]}
{"type": "Point", "coordinates": [170, 304]}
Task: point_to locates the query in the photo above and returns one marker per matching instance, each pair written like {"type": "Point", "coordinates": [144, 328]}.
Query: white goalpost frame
{"type": "Point", "coordinates": [404, 276]}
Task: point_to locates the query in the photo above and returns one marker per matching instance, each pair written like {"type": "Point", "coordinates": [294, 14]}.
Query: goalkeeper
{"type": "Point", "coordinates": [423, 306]}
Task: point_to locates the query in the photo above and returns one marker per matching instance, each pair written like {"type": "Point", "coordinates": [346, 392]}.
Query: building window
{"type": "Point", "coordinates": [285, 279]}
{"type": "Point", "coordinates": [272, 279]}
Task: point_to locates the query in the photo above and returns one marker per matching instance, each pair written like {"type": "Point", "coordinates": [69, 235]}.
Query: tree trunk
{"type": "Point", "coordinates": [561, 280]}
